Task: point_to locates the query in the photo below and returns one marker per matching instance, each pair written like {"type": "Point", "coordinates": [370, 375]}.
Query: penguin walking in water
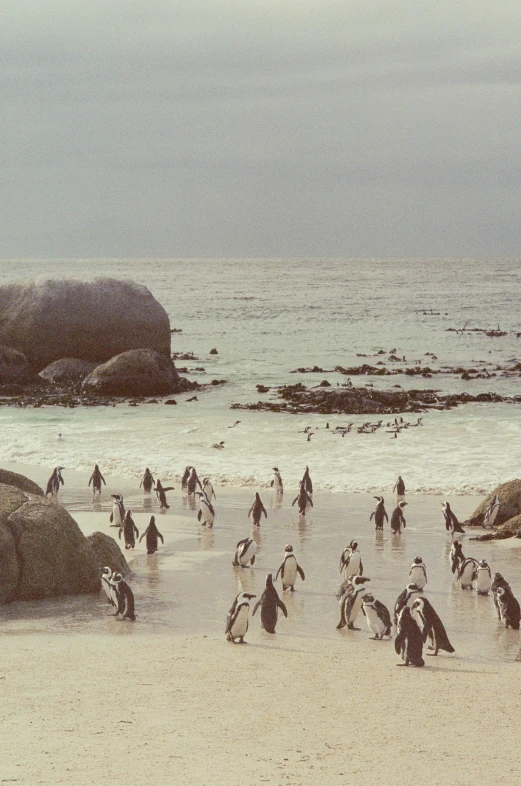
{"type": "Point", "coordinates": [451, 522]}
{"type": "Point", "coordinates": [108, 588]}
{"type": "Point", "coordinates": [509, 610]}
{"type": "Point", "coordinates": [399, 487]}
{"type": "Point", "coordinates": [307, 482]}
{"type": "Point", "coordinates": [118, 511]}
{"type": "Point", "coordinates": [351, 602]}
{"type": "Point", "coordinates": [256, 511]}
{"type": "Point", "coordinates": [483, 578]}
{"type": "Point", "coordinates": [351, 561]}
{"type": "Point", "coordinates": [237, 619]}
{"type": "Point", "coordinates": [467, 573]}
{"type": "Point", "coordinates": [406, 598]}
{"type": "Point", "coordinates": [418, 573]}
{"type": "Point", "coordinates": [377, 616]}
{"type": "Point", "coordinates": [431, 626]}
{"type": "Point", "coordinates": [456, 556]}
{"type": "Point", "coordinates": [206, 510]}
{"type": "Point", "coordinates": [161, 495]}
{"type": "Point", "coordinates": [54, 482]}
{"type": "Point", "coordinates": [303, 499]}
{"type": "Point", "coordinates": [130, 531]}
{"type": "Point", "coordinates": [409, 641]}
{"type": "Point", "coordinates": [147, 481]}
{"type": "Point", "coordinates": [152, 534]}
{"type": "Point", "coordinates": [289, 569]}
{"type": "Point", "coordinates": [244, 553]}
{"type": "Point", "coordinates": [193, 481]}
{"type": "Point", "coordinates": [209, 489]}
{"type": "Point", "coordinates": [276, 483]}
{"type": "Point", "coordinates": [379, 513]}
{"type": "Point", "coordinates": [398, 519]}
{"type": "Point", "coordinates": [186, 475]}
{"type": "Point", "coordinates": [498, 582]}
{"type": "Point", "coordinates": [96, 479]}
{"type": "Point", "coordinates": [269, 603]}
{"type": "Point", "coordinates": [125, 598]}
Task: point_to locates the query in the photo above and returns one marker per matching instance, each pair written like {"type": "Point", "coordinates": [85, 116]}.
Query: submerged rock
{"type": "Point", "coordinates": [138, 372]}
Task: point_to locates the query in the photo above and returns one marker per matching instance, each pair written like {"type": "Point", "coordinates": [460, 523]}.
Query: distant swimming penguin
{"type": "Point", "coordinates": [209, 489]}
{"type": "Point", "coordinates": [483, 578]}
{"type": "Point", "coordinates": [509, 610]}
{"type": "Point", "coordinates": [456, 556]}
{"type": "Point", "coordinates": [130, 531]}
{"type": "Point", "coordinates": [118, 511]}
{"type": "Point", "coordinates": [289, 569]}
{"type": "Point", "coordinates": [269, 603]}
{"type": "Point", "coordinates": [491, 512]}
{"type": "Point", "coordinates": [379, 513]}
{"type": "Point", "coordinates": [303, 499]}
{"type": "Point", "coordinates": [397, 518]}
{"type": "Point", "coordinates": [152, 534]}
{"type": "Point", "coordinates": [125, 598]}
{"type": "Point", "coordinates": [147, 481]}
{"type": "Point", "coordinates": [409, 641]}
{"type": "Point", "coordinates": [307, 482]}
{"type": "Point", "coordinates": [467, 573]}
{"type": "Point", "coordinates": [351, 561]}
{"type": "Point", "coordinates": [237, 619]}
{"type": "Point", "coordinates": [377, 616]}
{"type": "Point", "coordinates": [276, 483]}
{"type": "Point", "coordinates": [498, 582]}
{"type": "Point", "coordinates": [193, 481]}
{"type": "Point", "coordinates": [418, 573]}
{"type": "Point", "coordinates": [351, 602]}
{"type": "Point", "coordinates": [161, 495]}
{"type": "Point", "coordinates": [54, 482]}
{"type": "Point", "coordinates": [399, 487]}
{"type": "Point", "coordinates": [451, 522]}
{"type": "Point", "coordinates": [431, 626]}
{"type": "Point", "coordinates": [406, 598]}
{"type": "Point", "coordinates": [96, 478]}
{"type": "Point", "coordinates": [244, 553]}
{"type": "Point", "coordinates": [108, 588]}
{"type": "Point", "coordinates": [206, 510]}
{"type": "Point", "coordinates": [256, 511]}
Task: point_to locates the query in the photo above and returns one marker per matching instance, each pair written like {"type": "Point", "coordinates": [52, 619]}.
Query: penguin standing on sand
{"type": "Point", "coordinates": [244, 553]}
{"type": "Point", "coordinates": [406, 598]}
{"type": "Point", "coordinates": [125, 598]}
{"type": "Point", "coordinates": [398, 519]}
{"type": "Point", "coordinates": [237, 619]}
{"type": "Point", "coordinates": [483, 578]}
{"type": "Point", "coordinates": [451, 522]}
{"type": "Point", "coordinates": [409, 641]}
{"type": "Point", "coordinates": [379, 513]}
{"type": "Point", "coordinates": [289, 569]}
{"type": "Point", "coordinates": [108, 588]}
{"type": "Point", "coordinates": [509, 610]}
{"type": "Point", "coordinates": [351, 602]}
{"type": "Point", "coordinates": [456, 556]}
{"type": "Point", "coordinates": [161, 494]}
{"type": "Point", "coordinates": [498, 582]}
{"type": "Point", "coordinates": [209, 489]}
{"type": "Point", "coordinates": [130, 531]}
{"type": "Point", "coordinates": [467, 573]}
{"type": "Point", "coordinates": [256, 511]}
{"type": "Point", "coordinates": [351, 561]}
{"type": "Point", "coordinates": [147, 481]}
{"type": "Point", "coordinates": [152, 534]}
{"type": "Point", "coordinates": [431, 626]}
{"type": "Point", "coordinates": [418, 573]}
{"type": "Point", "coordinates": [96, 479]}
{"type": "Point", "coordinates": [399, 487]}
{"type": "Point", "coordinates": [118, 511]}
{"type": "Point", "coordinates": [377, 616]}
{"type": "Point", "coordinates": [303, 499]}
{"type": "Point", "coordinates": [206, 510]}
{"type": "Point", "coordinates": [276, 483]}
{"type": "Point", "coordinates": [269, 603]}
{"type": "Point", "coordinates": [54, 482]}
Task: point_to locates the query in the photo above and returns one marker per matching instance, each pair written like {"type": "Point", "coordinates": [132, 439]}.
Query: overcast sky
{"type": "Point", "coordinates": [274, 128]}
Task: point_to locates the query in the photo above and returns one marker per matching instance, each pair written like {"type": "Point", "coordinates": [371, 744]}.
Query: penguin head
{"type": "Point", "coordinates": [269, 580]}
{"type": "Point", "coordinates": [288, 549]}
{"type": "Point", "coordinates": [359, 581]}
{"type": "Point", "coordinates": [368, 598]}
{"type": "Point", "coordinates": [117, 497]}
{"type": "Point", "coordinates": [152, 521]}
{"type": "Point", "coordinates": [501, 591]}
{"type": "Point", "coordinates": [402, 504]}
{"type": "Point", "coordinates": [117, 577]}
{"type": "Point", "coordinates": [417, 561]}
{"type": "Point", "coordinates": [380, 499]}
{"type": "Point", "coordinates": [483, 563]}
{"type": "Point", "coordinates": [106, 572]}
{"type": "Point", "coordinates": [353, 545]}
{"type": "Point", "coordinates": [247, 595]}
{"type": "Point", "coordinates": [412, 588]}
{"type": "Point", "coordinates": [275, 469]}
{"type": "Point", "coordinates": [128, 514]}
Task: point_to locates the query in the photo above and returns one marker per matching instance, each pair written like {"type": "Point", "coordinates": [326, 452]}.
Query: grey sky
{"type": "Point", "coordinates": [225, 128]}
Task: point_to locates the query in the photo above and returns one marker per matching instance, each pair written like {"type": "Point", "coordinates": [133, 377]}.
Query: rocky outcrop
{"type": "Point", "coordinates": [14, 366]}
{"type": "Point", "coordinates": [93, 320]}
{"type": "Point", "coordinates": [43, 552]}
{"type": "Point", "coordinates": [508, 519]}
{"type": "Point", "coordinates": [139, 372]}
{"type": "Point", "coordinates": [108, 553]}
{"type": "Point", "coordinates": [20, 482]}
{"type": "Point", "coordinates": [67, 371]}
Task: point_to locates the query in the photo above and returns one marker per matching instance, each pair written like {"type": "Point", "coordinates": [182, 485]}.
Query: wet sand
{"type": "Point", "coordinates": [167, 700]}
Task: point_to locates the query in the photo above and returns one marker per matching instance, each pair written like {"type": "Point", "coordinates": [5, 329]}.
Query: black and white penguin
{"type": "Point", "coordinates": [96, 479]}
{"type": "Point", "coordinates": [509, 610]}
{"type": "Point", "coordinates": [498, 582]}
{"type": "Point", "coordinates": [147, 481]}
{"type": "Point", "coordinates": [276, 483]}
{"type": "Point", "coordinates": [451, 522]}
{"type": "Point", "coordinates": [130, 531]}
{"type": "Point", "coordinates": [186, 475]}
{"type": "Point", "coordinates": [351, 561]}
{"type": "Point", "coordinates": [406, 598]}
{"type": "Point", "coordinates": [418, 573]}
{"type": "Point", "coordinates": [269, 603]}
{"type": "Point", "coordinates": [467, 572]}
{"type": "Point", "coordinates": [399, 487]}
{"type": "Point", "coordinates": [351, 602]}
{"type": "Point", "coordinates": [397, 518]}
{"type": "Point", "coordinates": [289, 569]}
{"type": "Point", "coordinates": [303, 499]}
{"type": "Point", "coordinates": [377, 616]}
{"type": "Point", "coordinates": [54, 482]}
{"type": "Point", "coordinates": [409, 641]}
{"type": "Point", "coordinates": [209, 489]}
{"type": "Point", "coordinates": [108, 588]}
{"type": "Point", "coordinates": [431, 626]}
{"type": "Point", "coordinates": [152, 534]}
{"type": "Point", "coordinates": [237, 619]}
{"type": "Point", "coordinates": [483, 578]}
{"type": "Point", "coordinates": [118, 510]}
{"type": "Point", "coordinates": [456, 556]}
{"type": "Point", "coordinates": [307, 482]}
{"type": "Point", "coordinates": [206, 510]}
{"type": "Point", "coordinates": [491, 512]}
{"type": "Point", "coordinates": [244, 553]}
{"type": "Point", "coordinates": [125, 598]}
{"type": "Point", "coordinates": [256, 511]}
{"type": "Point", "coordinates": [161, 494]}
{"type": "Point", "coordinates": [379, 513]}
{"type": "Point", "coordinates": [193, 481]}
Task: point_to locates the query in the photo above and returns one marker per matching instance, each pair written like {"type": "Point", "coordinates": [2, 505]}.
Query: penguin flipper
{"type": "Point", "coordinates": [169, 488]}
{"type": "Point", "coordinates": [281, 571]}
{"type": "Point", "coordinates": [111, 518]}
{"type": "Point", "coordinates": [252, 561]}
{"type": "Point", "coordinates": [399, 642]}
{"type": "Point", "coordinates": [272, 483]}
{"type": "Point", "coordinates": [282, 607]}
{"type": "Point", "coordinates": [302, 576]}
{"type": "Point", "coordinates": [199, 516]}
{"type": "Point", "coordinates": [296, 498]}
{"type": "Point", "coordinates": [256, 606]}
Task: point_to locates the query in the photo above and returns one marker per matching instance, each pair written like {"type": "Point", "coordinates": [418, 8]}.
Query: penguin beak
{"type": "Point", "coordinates": [249, 596]}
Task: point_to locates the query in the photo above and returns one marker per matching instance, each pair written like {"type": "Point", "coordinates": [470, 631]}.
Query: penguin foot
{"type": "Point", "coordinates": [352, 627]}
{"type": "Point", "coordinates": [432, 654]}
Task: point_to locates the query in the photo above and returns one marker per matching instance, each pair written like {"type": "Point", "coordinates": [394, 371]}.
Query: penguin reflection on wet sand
{"type": "Point", "coordinates": [130, 531]}
{"type": "Point", "coordinates": [96, 479]}
{"type": "Point", "coordinates": [377, 616]}
{"type": "Point", "coordinates": [269, 604]}
{"type": "Point", "coordinates": [431, 626]}
{"type": "Point", "coordinates": [289, 569]}
{"type": "Point", "coordinates": [147, 481]}
{"type": "Point", "coordinates": [237, 619]}
{"type": "Point", "coordinates": [54, 482]}
{"type": "Point", "coordinates": [409, 641]}
{"type": "Point", "coordinates": [161, 494]}
{"type": "Point", "coordinates": [256, 511]}
{"type": "Point", "coordinates": [398, 519]}
{"type": "Point", "coordinates": [125, 598]}
{"type": "Point", "coordinates": [244, 553]}
{"type": "Point", "coordinates": [379, 513]}
{"type": "Point", "coordinates": [152, 534]}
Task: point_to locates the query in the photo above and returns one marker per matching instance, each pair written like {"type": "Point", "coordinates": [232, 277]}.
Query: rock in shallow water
{"type": "Point", "coordinates": [67, 371]}
{"type": "Point", "coordinates": [139, 372]}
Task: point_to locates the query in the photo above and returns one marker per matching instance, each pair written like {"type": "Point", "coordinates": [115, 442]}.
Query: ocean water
{"type": "Point", "coordinates": [269, 317]}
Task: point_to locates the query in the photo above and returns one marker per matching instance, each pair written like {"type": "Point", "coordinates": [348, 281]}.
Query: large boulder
{"type": "Point", "coordinates": [67, 371]}
{"type": "Point", "coordinates": [43, 552]}
{"type": "Point", "coordinates": [108, 553]}
{"type": "Point", "coordinates": [139, 372]}
{"type": "Point", "coordinates": [14, 366]}
{"type": "Point", "coordinates": [8, 478]}
{"type": "Point", "coordinates": [93, 320]}
{"type": "Point", "coordinates": [509, 495]}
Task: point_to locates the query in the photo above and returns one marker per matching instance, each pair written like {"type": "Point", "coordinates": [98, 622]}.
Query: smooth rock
{"type": "Point", "coordinates": [20, 482]}
{"type": "Point", "coordinates": [139, 372]}
{"type": "Point", "coordinates": [67, 371]}
{"type": "Point", "coordinates": [14, 366]}
{"type": "Point", "coordinates": [108, 553]}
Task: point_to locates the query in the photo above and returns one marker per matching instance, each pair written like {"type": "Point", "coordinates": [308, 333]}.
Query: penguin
{"type": "Point", "coordinates": [379, 513]}
{"type": "Point", "coordinates": [161, 494]}
{"type": "Point", "coordinates": [456, 556]}
{"type": "Point", "coordinates": [147, 481]}
{"type": "Point", "coordinates": [209, 489]}
{"type": "Point", "coordinates": [256, 511]}
{"type": "Point", "coordinates": [406, 598]}
{"type": "Point", "coordinates": [431, 626]}
{"type": "Point", "coordinates": [351, 602]}
{"type": "Point", "coordinates": [186, 475]}
{"type": "Point", "coordinates": [244, 553]}
{"type": "Point", "coordinates": [125, 598]}
{"type": "Point", "coordinates": [109, 590]}
{"type": "Point", "coordinates": [276, 483]}
{"type": "Point", "coordinates": [193, 481]}
{"type": "Point", "coordinates": [418, 573]}
{"type": "Point", "coordinates": [509, 610]}
{"type": "Point", "coordinates": [467, 573]}
{"type": "Point", "coordinates": [269, 603]}
{"type": "Point", "coordinates": [96, 478]}
{"type": "Point", "coordinates": [451, 522]}
{"type": "Point", "coordinates": [377, 616]}
{"type": "Point", "coordinates": [498, 582]}
{"type": "Point", "coordinates": [118, 511]}
{"type": "Point", "coordinates": [409, 641]}
{"type": "Point", "coordinates": [399, 487]}
{"type": "Point", "coordinates": [491, 512]}
{"type": "Point", "coordinates": [351, 561]}
{"type": "Point", "coordinates": [237, 619]}
{"type": "Point", "coordinates": [130, 531]}
{"type": "Point", "coordinates": [206, 510]}
{"type": "Point", "coordinates": [54, 482]}
{"type": "Point", "coordinates": [307, 482]}
{"type": "Point", "coordinates": [289, 569]}
{"type": "Point", "coordinates": [152, 534]}
{"type": "Point", "coordinates": [397, 518]}
{"type": "Point", "coordinates": [304, 500]}
{"type": "Point", "coordinates": [483, 578]}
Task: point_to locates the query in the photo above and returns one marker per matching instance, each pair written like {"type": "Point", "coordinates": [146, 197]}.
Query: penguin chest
{"type": "Point", "coordinates": [240, 624]}
{"type": "Point", "coordinates": [246, 556]}
{"type": "Point", "coordinates": [290, 572]}
{"type": "Point", "coordinates": [355, 608]}
{"type": "Point", "coordinates": [207, 514]}
{"type": "Point", "coordinates": [467, 576]}
{"type": "Point", "coordinates": [116, 515]}
{"type": "Point", "coordinates": [374, 622]}
{"type": "Point", "coordinates": [417, 576]}
{"type": "Point", "coordinates": [483, 581]}
{"type": "Point", "coordinates": [353, 567]}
